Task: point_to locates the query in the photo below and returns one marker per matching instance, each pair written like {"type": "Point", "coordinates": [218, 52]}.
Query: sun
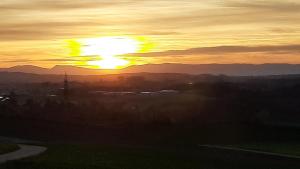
{"type": "Point", "coordinates": [109, 50]}
{"type": "Point", "coordinates": [109, 63]}
{"type": "Point", "coordinates": [109, 46]}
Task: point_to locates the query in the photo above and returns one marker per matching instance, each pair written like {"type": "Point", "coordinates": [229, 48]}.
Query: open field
{"type": "Point", "coordinates": [6, 148]}
{"type": "Point", "coordinates": [131, 157]}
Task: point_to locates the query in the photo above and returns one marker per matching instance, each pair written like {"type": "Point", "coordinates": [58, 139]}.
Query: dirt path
{"type": "Point", "coordinates": [251, 151]}
{"type": "Point", "coordinates": [23, 152]}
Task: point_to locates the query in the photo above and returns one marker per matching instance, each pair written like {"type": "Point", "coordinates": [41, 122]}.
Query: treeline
{"type": "Point", "coordinates": [251, 101]}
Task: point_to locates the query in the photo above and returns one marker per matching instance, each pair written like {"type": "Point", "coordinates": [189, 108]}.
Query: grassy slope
{"type": "Point", "coordinates": [6, 148]}
{"type": "Point", "coordinates": [124, 157]}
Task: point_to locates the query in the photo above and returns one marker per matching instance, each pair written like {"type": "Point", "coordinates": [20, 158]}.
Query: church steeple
{"type": "Point", "coordinates": [66, 87]}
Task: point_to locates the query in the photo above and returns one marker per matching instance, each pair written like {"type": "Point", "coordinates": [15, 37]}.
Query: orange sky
{"type": "Point", "coordinates": [258, 31]}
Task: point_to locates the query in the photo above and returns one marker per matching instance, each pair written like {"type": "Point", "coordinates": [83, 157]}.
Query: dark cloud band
{"type": "Point", "coordinates": [224, 50]}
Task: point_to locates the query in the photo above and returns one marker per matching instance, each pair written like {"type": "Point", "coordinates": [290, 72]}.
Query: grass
{"type": "Point", "coordinates": [281, 148]}
{"type": "Point", "coordinates": [129, 157]}
{"type": "Point", "coordinates": [6, 148]}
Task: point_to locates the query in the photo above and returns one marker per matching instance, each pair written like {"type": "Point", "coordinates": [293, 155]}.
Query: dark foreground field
{"type": "Point", "coordinates": [161, 148]}
{"type": "Point", "coordinates": [130, 157]}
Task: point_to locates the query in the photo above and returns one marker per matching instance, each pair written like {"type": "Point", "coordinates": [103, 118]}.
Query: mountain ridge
{"type": "Point", "coordinates": [193, 69]}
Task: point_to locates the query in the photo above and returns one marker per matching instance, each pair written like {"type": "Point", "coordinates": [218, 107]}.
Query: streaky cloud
{"type": "Point", "coordinates": [223, 50]}
{"type": "Point", "coordinates": [59, 4]}
{"type": "Point", "coordinates": [281, 6]}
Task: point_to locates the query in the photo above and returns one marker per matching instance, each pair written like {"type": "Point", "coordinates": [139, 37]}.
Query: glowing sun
{"type": "Point", "coordinates": [109, 50]}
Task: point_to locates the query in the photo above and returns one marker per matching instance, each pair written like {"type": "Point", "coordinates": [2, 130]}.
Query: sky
{"type": "Point", "coordinates": [43, 32]}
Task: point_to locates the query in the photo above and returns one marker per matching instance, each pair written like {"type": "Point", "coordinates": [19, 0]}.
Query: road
{"type": "Point", "coordinates": [251, 151]}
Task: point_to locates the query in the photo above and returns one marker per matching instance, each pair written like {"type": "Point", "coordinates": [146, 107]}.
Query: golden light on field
{"type": "Point", "coordinates": [107, 50]}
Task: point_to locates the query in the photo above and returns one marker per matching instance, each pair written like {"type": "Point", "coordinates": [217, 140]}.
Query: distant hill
{"type": "Point", "coordinates": [16, 77]}
{"type": "Point", "coordinates": [26, 69]}
{"type": "Point", "coordinates": [193, 69]}
{"type": "Point", "coordinates": [59, 69]}
{"type": "Point", "coordinates": [216, 69]}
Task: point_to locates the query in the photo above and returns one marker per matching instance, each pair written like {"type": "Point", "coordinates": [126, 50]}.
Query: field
{"type": "Point", "coordinates": [5, 148]}
{"type": "Point", "coordinates": [81, 156]}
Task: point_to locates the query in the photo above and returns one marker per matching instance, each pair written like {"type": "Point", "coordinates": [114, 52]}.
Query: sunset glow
{"type": "Point", "coordinates": [100, 33]}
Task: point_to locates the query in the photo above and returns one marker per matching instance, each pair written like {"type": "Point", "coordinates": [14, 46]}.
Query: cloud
{"type": "Point", "coordinates": [58, 4]}
{"type": "Point", "coordinates": [284, 30]}
{"type": "Point", "coordinates": [223, 50]}
{"type": "Point", "coordinates": [230, 13]}
{"type": "Point", "coordinates": [78, 18]}
{"type": "Point", "coordinates": [274, 5]}
{"type": "Point", "coordinates": [39, 60]}
{"type": "Point", "coordinates": [41, 29]}
{"type": "Point", "coordinates": [65, 59]}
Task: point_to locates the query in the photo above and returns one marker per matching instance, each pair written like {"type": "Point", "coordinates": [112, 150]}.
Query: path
{"type": "Point", "coordinates": [251, 151]}
{"type": "Point", "coordinates": [24, 151]}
